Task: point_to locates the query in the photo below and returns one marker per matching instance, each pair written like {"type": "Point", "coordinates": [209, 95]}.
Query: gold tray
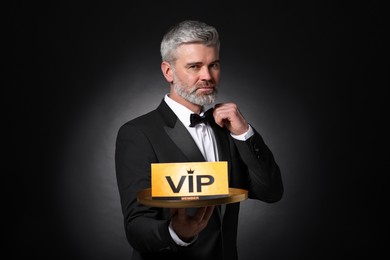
{"type": "Point", "coordinates": [235, 195]}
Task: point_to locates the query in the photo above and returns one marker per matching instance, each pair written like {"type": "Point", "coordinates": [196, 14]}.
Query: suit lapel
{"type": "Point", "coordinates": [179, 134]}
{"type": "Point", "coordinates": [223, 144]}
{"type": "Point", "coordinates": [223, 155]}
{"type": "Point", "coordinates": [184, 141]}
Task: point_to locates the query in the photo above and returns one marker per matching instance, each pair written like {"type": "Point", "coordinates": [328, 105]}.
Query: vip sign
{"type": "Point", "coordinates": [187, 181]}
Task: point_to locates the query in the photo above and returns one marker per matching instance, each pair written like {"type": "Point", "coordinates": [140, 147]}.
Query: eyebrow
{"type": "Point", "coordinates": [200, 63]}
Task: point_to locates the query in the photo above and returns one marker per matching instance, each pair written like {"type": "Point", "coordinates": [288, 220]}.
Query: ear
{"type": "Point", "coordinates": [166, 69]}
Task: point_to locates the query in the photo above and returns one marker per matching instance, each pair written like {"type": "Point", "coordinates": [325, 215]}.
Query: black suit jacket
{"type": "Point", "coordinates": [159, 137]}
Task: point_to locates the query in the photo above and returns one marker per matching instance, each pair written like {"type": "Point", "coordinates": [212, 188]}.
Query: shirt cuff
{"type": "Point", "coordinates": [177, 239]}
{"type": "Point", "coordinates": [245, 136]}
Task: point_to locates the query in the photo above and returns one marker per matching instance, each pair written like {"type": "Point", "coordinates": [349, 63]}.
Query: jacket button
{"type": "Point", "coordinates": [256, 148]}
{"type": "Point", "coordinates": [257, 151]}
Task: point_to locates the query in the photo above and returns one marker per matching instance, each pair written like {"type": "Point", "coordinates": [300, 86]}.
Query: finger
{"type": "Point", "coordinates": [200, 214]}
{"type": "Point", "coordinates": [181, 213]}
{"type": "Point", "coordinates": [206, 217]}
{"type": "Point", "coordinates": [228, 115]}
{"type": "Point", "coordinates": [228, 111]}
{"type": "Point", "coordinates": [217, 118]}
{"type": "Point", "coordinates": [223, 111]}
{"type": "Point", "coordinates": [208, 213]}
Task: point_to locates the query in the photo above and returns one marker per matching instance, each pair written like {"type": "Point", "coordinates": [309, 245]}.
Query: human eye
{"type": "Point", "coordinates": [193, 67]}
{"type": "Point", "coordinates": [215, 65]}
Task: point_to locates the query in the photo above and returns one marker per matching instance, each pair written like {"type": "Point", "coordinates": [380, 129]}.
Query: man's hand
{"type": "Point", "coordinates": [228, 115]}
{"type": "Point", "coordinates": [186, 226]}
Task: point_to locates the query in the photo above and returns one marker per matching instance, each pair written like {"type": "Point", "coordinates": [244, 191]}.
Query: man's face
{"type": "Point", "coordinates": [196, 73]}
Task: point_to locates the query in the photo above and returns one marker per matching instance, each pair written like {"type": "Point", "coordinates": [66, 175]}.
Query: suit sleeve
{"type": "Point", "coordinates": [146, 228]}
{"type": "Point", "coordinates": [265, 182]}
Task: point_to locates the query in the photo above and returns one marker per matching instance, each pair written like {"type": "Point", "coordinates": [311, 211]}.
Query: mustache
{"type": "Point", "coordinates": [205, 85]}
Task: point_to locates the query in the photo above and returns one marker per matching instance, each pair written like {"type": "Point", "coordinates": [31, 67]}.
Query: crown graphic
{"type": "Point", "coordinates": [190, 171]}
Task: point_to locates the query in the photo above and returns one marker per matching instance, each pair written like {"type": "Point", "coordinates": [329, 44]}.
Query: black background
{"type": "Point", "coordinates": [313, 73]}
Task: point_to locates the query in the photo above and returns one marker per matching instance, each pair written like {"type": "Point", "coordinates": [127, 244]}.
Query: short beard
{"type": "Point", "coordinates": [191, 96]}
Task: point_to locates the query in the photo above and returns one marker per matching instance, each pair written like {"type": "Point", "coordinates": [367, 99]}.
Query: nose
{"type": "Point", "coordinates": [205, 73]}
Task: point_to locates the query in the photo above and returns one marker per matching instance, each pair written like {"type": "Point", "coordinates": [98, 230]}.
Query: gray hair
{"type": "Point", "coordinates": [188, 31]}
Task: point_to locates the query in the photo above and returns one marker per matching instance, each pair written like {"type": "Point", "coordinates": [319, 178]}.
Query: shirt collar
{"type": "Point", "coordinates": [181, 111]}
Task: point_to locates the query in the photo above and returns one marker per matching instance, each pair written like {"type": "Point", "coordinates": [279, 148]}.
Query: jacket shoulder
{"type": "Point", "coordinates": [145, 121]}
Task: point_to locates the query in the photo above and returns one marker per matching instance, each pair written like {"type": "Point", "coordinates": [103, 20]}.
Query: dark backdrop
{"type": "Point", "coordinates": [309, 77]}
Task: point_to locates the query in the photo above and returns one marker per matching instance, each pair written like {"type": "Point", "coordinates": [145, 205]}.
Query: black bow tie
{"type": "Point", "coordinates": [197, 119]}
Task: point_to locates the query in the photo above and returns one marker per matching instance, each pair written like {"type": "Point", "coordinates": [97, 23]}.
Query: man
{"type": "Point", "coordinates": [190, 63]}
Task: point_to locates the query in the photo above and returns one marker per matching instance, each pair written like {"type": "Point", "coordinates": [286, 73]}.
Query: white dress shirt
{"type": "Point", "coordinates": [204, 138]}
{"type": "Point", "coordinates": [202, 133]}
